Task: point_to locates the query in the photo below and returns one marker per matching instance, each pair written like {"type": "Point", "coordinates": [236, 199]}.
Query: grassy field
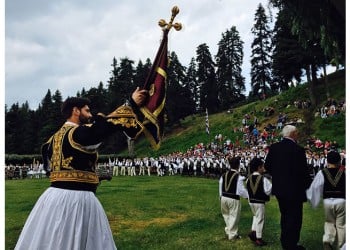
{"type": "Point", "coordinates": [171, 212]}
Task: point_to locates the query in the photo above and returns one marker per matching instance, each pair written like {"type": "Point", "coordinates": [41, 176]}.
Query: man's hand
{"type": "Point", "coordinates": [139, 96]}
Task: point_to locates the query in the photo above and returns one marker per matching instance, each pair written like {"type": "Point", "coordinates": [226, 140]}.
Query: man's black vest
{"type": "Point", "coordinates": [229, 185]}
{"type": "Point", "coordinates": [334, 183]}
{"type": "Point", "coordinates": [255, 186]}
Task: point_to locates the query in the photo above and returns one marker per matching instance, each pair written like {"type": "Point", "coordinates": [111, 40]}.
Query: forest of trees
{"type": "Point", "coordinates": [306, 37]}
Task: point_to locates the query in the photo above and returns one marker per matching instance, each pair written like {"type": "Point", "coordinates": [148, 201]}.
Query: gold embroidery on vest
{"type": "Point", "coordinates": [254, 186]}
{"type": "Point", "coordinates": [337, 177]}
{"type": "Point", "coordinates": [57, 158]}
{"type": "Point", "coordinates": [227, 185]}
{"type": "Point", "coordinates": [124, 116]}
{"type": "Point", "coordinates": [125, 122]}
{"type": "Point", "coordinates": [75, 176]}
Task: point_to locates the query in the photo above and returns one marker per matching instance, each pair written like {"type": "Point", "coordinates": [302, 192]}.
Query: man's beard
{"type": "Point", "coordinates": [83, 119]}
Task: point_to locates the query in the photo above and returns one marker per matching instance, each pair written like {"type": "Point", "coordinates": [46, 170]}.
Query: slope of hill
{"type": "Point", "coordinates": [192, 129]}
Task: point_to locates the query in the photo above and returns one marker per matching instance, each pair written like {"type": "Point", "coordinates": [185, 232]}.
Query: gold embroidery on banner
{"type": "Point", "coordinates": [151, 90]}
{"type": "Point", "coordinates": [161, 72]}
{"type": "Point", "coordinates": [75, 176]}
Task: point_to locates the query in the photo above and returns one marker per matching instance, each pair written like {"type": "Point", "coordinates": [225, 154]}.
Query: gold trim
{"type": "Point", "coordinates": [228, 184]}
{"type": "Point", "coordinates": [336, 179]}
{"type": "Point", "coordinates": [124, 116]}
{"type": "Point", "coordinates": [149, 136]}
{"type": "Point", "coordinates": [74, 176]}
{"type": "Point", "coordinates": [151, 90]}
{"type": "Point", "coordinates": [161, 72]}
{"type": "Point", "coordinates": [122, 111]}
{"type": "Point", "coordinates": [57, 157]}
{"type": "Point", "coordinates": [254, 186]}
{"type": "Point", "coordinates": [77, 145]}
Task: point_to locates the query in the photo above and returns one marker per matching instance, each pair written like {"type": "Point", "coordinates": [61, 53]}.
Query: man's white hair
{"type": "Point", "coordinates": [288, 130]}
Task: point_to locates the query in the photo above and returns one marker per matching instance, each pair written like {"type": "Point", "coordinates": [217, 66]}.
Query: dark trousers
{"type": "Point", "coordinates": [291, 220]}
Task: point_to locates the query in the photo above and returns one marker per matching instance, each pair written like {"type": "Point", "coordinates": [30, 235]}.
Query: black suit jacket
{"type": "Point", "coordinates": [286, 162]}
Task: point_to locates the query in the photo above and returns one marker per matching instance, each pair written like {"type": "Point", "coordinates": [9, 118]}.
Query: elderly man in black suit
{"type": "Point", "coordinates": [286, 162]}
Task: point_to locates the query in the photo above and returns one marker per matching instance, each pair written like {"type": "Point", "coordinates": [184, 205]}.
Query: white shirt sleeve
{"type": "Point", "coordinates": [315, 191]}
{"type": "Point", "coordinates": [267, 186]}
{"type": "Point", "coordinates": [241, 189]}
{"type": "Point", "coordinates": [220, 187]}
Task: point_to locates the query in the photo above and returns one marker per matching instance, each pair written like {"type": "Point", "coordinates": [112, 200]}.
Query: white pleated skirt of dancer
{"type": "Point", "coordinates": [66, 219]}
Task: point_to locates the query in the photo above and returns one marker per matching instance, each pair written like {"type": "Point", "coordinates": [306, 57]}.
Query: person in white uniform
{"type": "Point", "coordinates": [329, 183]}
{"type": "Point", "coordinates": [259, 190]}
{"type": "Point", "coordinates": [231, 188]}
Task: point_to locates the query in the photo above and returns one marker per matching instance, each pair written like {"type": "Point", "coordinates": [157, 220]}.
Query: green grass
{"type": "Point", "coordinates": [163, 213]}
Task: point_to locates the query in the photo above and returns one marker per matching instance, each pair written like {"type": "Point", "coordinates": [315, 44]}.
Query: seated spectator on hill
{"type": "Point", "coordinates": [279, 121]}
{"type": "Point", "coordinates": [334, 145]}
{"type": "Point", "coordinates": [327, 145]}
{"type": "Point", "coordinates": [323, 112]}
{"type": "Point", "coordinates": [318, 143]}
{"type": "Point", "coordinates": [269, 111]}
{"type": "Point", "coordinates": [270, 127]}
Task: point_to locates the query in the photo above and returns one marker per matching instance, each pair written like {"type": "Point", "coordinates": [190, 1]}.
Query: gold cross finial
{"type": "Point", "coordinates": [177, 26]}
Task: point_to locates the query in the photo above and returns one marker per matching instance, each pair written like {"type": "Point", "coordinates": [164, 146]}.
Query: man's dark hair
{"type": "Point", "coordinates": [70, 103]}
{"type": "Point", "coordinates": [234, 162]}
{"type": "Point", "coordinates": [255, 163]}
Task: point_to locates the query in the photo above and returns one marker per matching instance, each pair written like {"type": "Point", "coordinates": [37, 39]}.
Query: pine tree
{"type": "Point", "coordinates": [261, 58]}
{"type": "Point", "coordinates": [141, 72]}
{"type": "Point", "coordinates": [207, 79]}
{"type": "Point", "coordinates": [229, 60]}
{"type": "Point", "coordinates": [178, 101]}
{"type": "Point", "coordinates": [287, 56]}
{"type": "Point", "coordinates": [113, 91]}
{"type": "Point", "coordinates": [125, 78]}
{"type": "Point", "coordinates": [191, 84]}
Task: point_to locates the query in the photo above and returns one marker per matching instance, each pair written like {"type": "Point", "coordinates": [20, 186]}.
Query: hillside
{"type": "Point", "coordinates": [192, 129]}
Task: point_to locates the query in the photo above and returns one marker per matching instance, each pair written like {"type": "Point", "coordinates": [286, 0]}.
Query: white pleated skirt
{"type": "Point", "coordinates": [66, 220]}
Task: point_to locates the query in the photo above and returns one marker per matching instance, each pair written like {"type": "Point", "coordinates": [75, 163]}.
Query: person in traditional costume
{"type": "Point", "coordinates": [259, 190]}
{"type": "Point", "coordinates": [68, 214]}
{"type": "Point", "coordinates": [329, 184]}
{"type": "Point", "coordinates": [231, 188]}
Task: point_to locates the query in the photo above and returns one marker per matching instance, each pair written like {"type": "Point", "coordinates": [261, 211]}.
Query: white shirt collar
{"type": "Point", "coordinates": [71, 123]}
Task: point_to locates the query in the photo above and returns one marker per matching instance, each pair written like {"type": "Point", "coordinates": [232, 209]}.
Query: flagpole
{"type": "Point", "coordinates": [207, 127]}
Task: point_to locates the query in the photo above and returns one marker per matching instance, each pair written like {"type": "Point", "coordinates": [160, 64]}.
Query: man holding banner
{"type": "Point", "coordinates": [68, 215]}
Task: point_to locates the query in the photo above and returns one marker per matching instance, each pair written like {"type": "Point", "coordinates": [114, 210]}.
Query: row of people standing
{"type": "Point", "coordinates": [200, 163]}
{"type": "Point", "coordinates": [35, 171]}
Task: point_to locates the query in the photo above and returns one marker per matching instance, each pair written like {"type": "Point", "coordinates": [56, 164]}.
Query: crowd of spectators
{"type": "Point", "coordinates": [331, 108]}
{"type": "Point", "coordinates": [208, 160]}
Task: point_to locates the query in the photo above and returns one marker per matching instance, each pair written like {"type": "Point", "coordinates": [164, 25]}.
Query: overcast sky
{"type": "Point", "coordinates": [70, 44]}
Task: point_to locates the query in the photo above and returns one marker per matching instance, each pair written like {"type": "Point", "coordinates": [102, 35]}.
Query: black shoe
{"type": "Point", "coordinates": [252, 236]}
{"type": "Point", "coordinates": [260, 242]}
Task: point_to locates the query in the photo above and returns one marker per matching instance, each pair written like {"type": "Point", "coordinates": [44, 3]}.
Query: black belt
{"type": "Point", "coordinates": [257, 201]}
{"type": "Point", "coordinates": [232, 196]}
{"type": "Point", "coordinates": [81, 186]}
